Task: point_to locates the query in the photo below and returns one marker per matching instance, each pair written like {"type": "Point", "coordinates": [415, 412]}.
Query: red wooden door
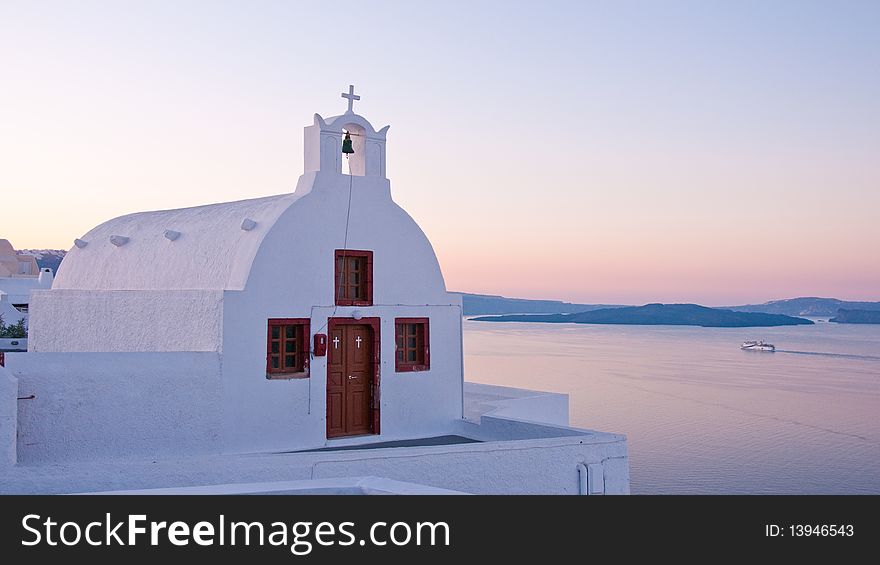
{"type": "Point", "coordinates": [349, 380]}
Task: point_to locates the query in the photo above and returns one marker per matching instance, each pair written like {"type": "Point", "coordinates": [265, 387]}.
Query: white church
{"type": "Point", "coordinates": [304, 340]}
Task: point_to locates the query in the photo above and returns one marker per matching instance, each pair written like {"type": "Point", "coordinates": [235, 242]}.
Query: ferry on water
{"type": "Point", "coordinates": [758, 346]}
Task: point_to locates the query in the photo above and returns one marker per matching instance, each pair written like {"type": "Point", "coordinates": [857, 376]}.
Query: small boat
{"type": "Point", "coordinates": [758, 346]}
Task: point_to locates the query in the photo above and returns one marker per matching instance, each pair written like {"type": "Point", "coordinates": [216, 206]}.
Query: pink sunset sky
{"type": "Point", "coordinates": [624, 152]}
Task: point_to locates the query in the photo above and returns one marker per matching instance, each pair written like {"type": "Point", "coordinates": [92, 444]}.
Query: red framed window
{"type": "Point", "coordinates": [413, 352]}
{"type": "Point", "coordinates": [354, 278]}
{"type": "Point", "coordinates": [287, 349]}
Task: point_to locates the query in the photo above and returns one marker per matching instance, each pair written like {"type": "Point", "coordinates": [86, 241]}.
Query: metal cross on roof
{"type": "Point", "coordinates": [351, 96]}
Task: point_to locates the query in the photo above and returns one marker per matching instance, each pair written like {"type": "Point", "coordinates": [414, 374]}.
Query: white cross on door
{"type": "Point", "coordinates": [335, 343]}
{"type": "Point", "coordinates": [358, 341]}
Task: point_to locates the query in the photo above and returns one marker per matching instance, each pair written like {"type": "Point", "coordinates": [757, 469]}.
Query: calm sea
{"type": "Point", "coordinates": [702, 416]}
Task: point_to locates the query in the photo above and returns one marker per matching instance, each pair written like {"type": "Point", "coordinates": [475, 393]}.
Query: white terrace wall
{"type": "Point", "coordinates": [125, 320]}
{"type": "Point", "coordinates": [104, 405]}
{"type": "Point", "coordinates": [544, 462]}
{"type": "Point", "coordinates": [546, 465]}
{"type": "Point", "coordinates": [520, 404]}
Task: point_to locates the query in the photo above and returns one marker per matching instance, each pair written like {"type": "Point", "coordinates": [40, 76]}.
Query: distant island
{"type": "Point", "coordinates": [484, 304]}
{"type": "Point", "coordinates": [660, 314]}
{"type": "Point", "coordinates": [811, 306]}
{"type": "Point", "coordinates": [856, 317]}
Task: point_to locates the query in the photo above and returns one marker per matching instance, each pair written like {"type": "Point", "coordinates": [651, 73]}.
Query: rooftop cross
{"type": "Point", "coordinates": [351, 96]}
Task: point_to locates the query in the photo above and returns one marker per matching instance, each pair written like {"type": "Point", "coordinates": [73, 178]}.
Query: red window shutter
{"type": "Point", "coordinates": [301, 353]}
{"type": "Point", "coordinates": [422, 350]}
{"type": "Point", "coordinates": [427, 344]}
{"type": "Point", "coordinates": [369, 279]}
{"type": "Point", "coordinates": [269, 347]}
{"type": "Point", "coordinates": [342, 270]}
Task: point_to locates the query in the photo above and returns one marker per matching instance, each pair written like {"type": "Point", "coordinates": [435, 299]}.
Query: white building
{"type": "Point", "coordinates": [312, 320]}
{"type": "Point", "coordinates": [13, 265]}
{"type": "Point", "coordinates": [19, 275]}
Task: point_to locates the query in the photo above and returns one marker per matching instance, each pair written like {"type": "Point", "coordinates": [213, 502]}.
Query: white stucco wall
{"type": "Point", "coordinates": [9, 314]}
{"type": "Point", "coordinates": [125, 320]}
{"type": "Point", "coordinates": [13, 344]}
{"type": "Point", "coordinates": [531, 466]}
{"type": "Point", "coordinates": [292, 276]}
{"type": "Point", "coordinates": [89, 406]}
{"type": "Point", "coordinates": [18, 289]}
{"type": "Point", "coordinates": [8, 417]}
{"type": "Point", "coordinates": [545, 461]}
{"type": "Point", "coordinates": [266, 415]}
{"type": "Point", "coordinates": [359, 486]}
{"type": "Point", "coordinates": [529, 405]}
{"type": "Point", "coordinates": [296, 256]}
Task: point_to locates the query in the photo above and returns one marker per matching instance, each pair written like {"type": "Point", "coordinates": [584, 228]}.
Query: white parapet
{"type": "Point", "coordinates": [515, 442]}
{"type": "Point", "coordinates": [8, 417]}
{"type": "Point", "coordinates": [521, 404]}
{"type": "Point", "coordinates": [92, 406]}
{"type": "Point", "coordinates": [346, 485]}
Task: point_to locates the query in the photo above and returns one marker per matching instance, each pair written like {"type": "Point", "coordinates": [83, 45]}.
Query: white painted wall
{"type": "Point", "coordinates": [91, 406]}
{"type": "Point", "coordinates": [13, 344]}
{"type": "Point", "coordinates": [536, 466]}
{"type": "Point", "coordinates": [261, 414]}
{"type": "Point", "coordinates": [323, 145]}
{"type": "Point", "coordinates": [359, 486]}
{"type": "Point", "coordinates": [292, 276]}
{"type": "Point", "coordinates": [125, 320]}
{"type": "Point", "coordinates": [18, 289]}
{"type": "Point", "coordinates": [8, 417]}
{"type": "Point", "coordinates": [296, 256]}
{"type": "Point", "coordinates": [544, 463]}
{"type": "Point", "coordinates": [521, 404]}
{"type": "Point", "coordinates": [8, 312]}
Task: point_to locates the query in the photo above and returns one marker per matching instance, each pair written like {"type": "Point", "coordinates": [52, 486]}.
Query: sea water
{"type": "Point", "coordinates": [702, 416]}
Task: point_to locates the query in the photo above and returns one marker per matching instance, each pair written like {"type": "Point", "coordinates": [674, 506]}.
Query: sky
{"type": "Point", "coordinates": [603, 152]}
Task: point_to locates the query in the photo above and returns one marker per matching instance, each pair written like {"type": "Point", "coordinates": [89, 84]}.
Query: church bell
{"type": "Point", "coordinates": [346, 144]}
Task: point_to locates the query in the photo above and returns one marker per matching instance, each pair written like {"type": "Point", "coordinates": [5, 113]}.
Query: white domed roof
{"type": "Point", "coordinates": [288, 238]}
{"type": "Point", "coordinates": [212, 251]}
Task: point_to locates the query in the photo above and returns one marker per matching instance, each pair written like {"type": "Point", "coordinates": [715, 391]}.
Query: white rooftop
{"type": "Point", "coordinates": [214, 248]}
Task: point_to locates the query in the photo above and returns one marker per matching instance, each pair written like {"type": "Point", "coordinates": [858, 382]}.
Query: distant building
{"type": "Point", "coordinates": [19, 275]}
{"type": "Point", "coordinates": [15, 265]}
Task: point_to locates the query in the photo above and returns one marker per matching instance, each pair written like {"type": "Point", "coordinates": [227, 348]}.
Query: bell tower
{"type": "Point", "coordinates": [324, 143]}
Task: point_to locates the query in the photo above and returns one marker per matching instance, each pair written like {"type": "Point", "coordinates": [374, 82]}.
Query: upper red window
{"type": "Point", "coordinates": [287, 349]}
{"type": "Point", "coordinates": [354, 278]}
{"type": "Point", "coordinates": [413, 352]}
